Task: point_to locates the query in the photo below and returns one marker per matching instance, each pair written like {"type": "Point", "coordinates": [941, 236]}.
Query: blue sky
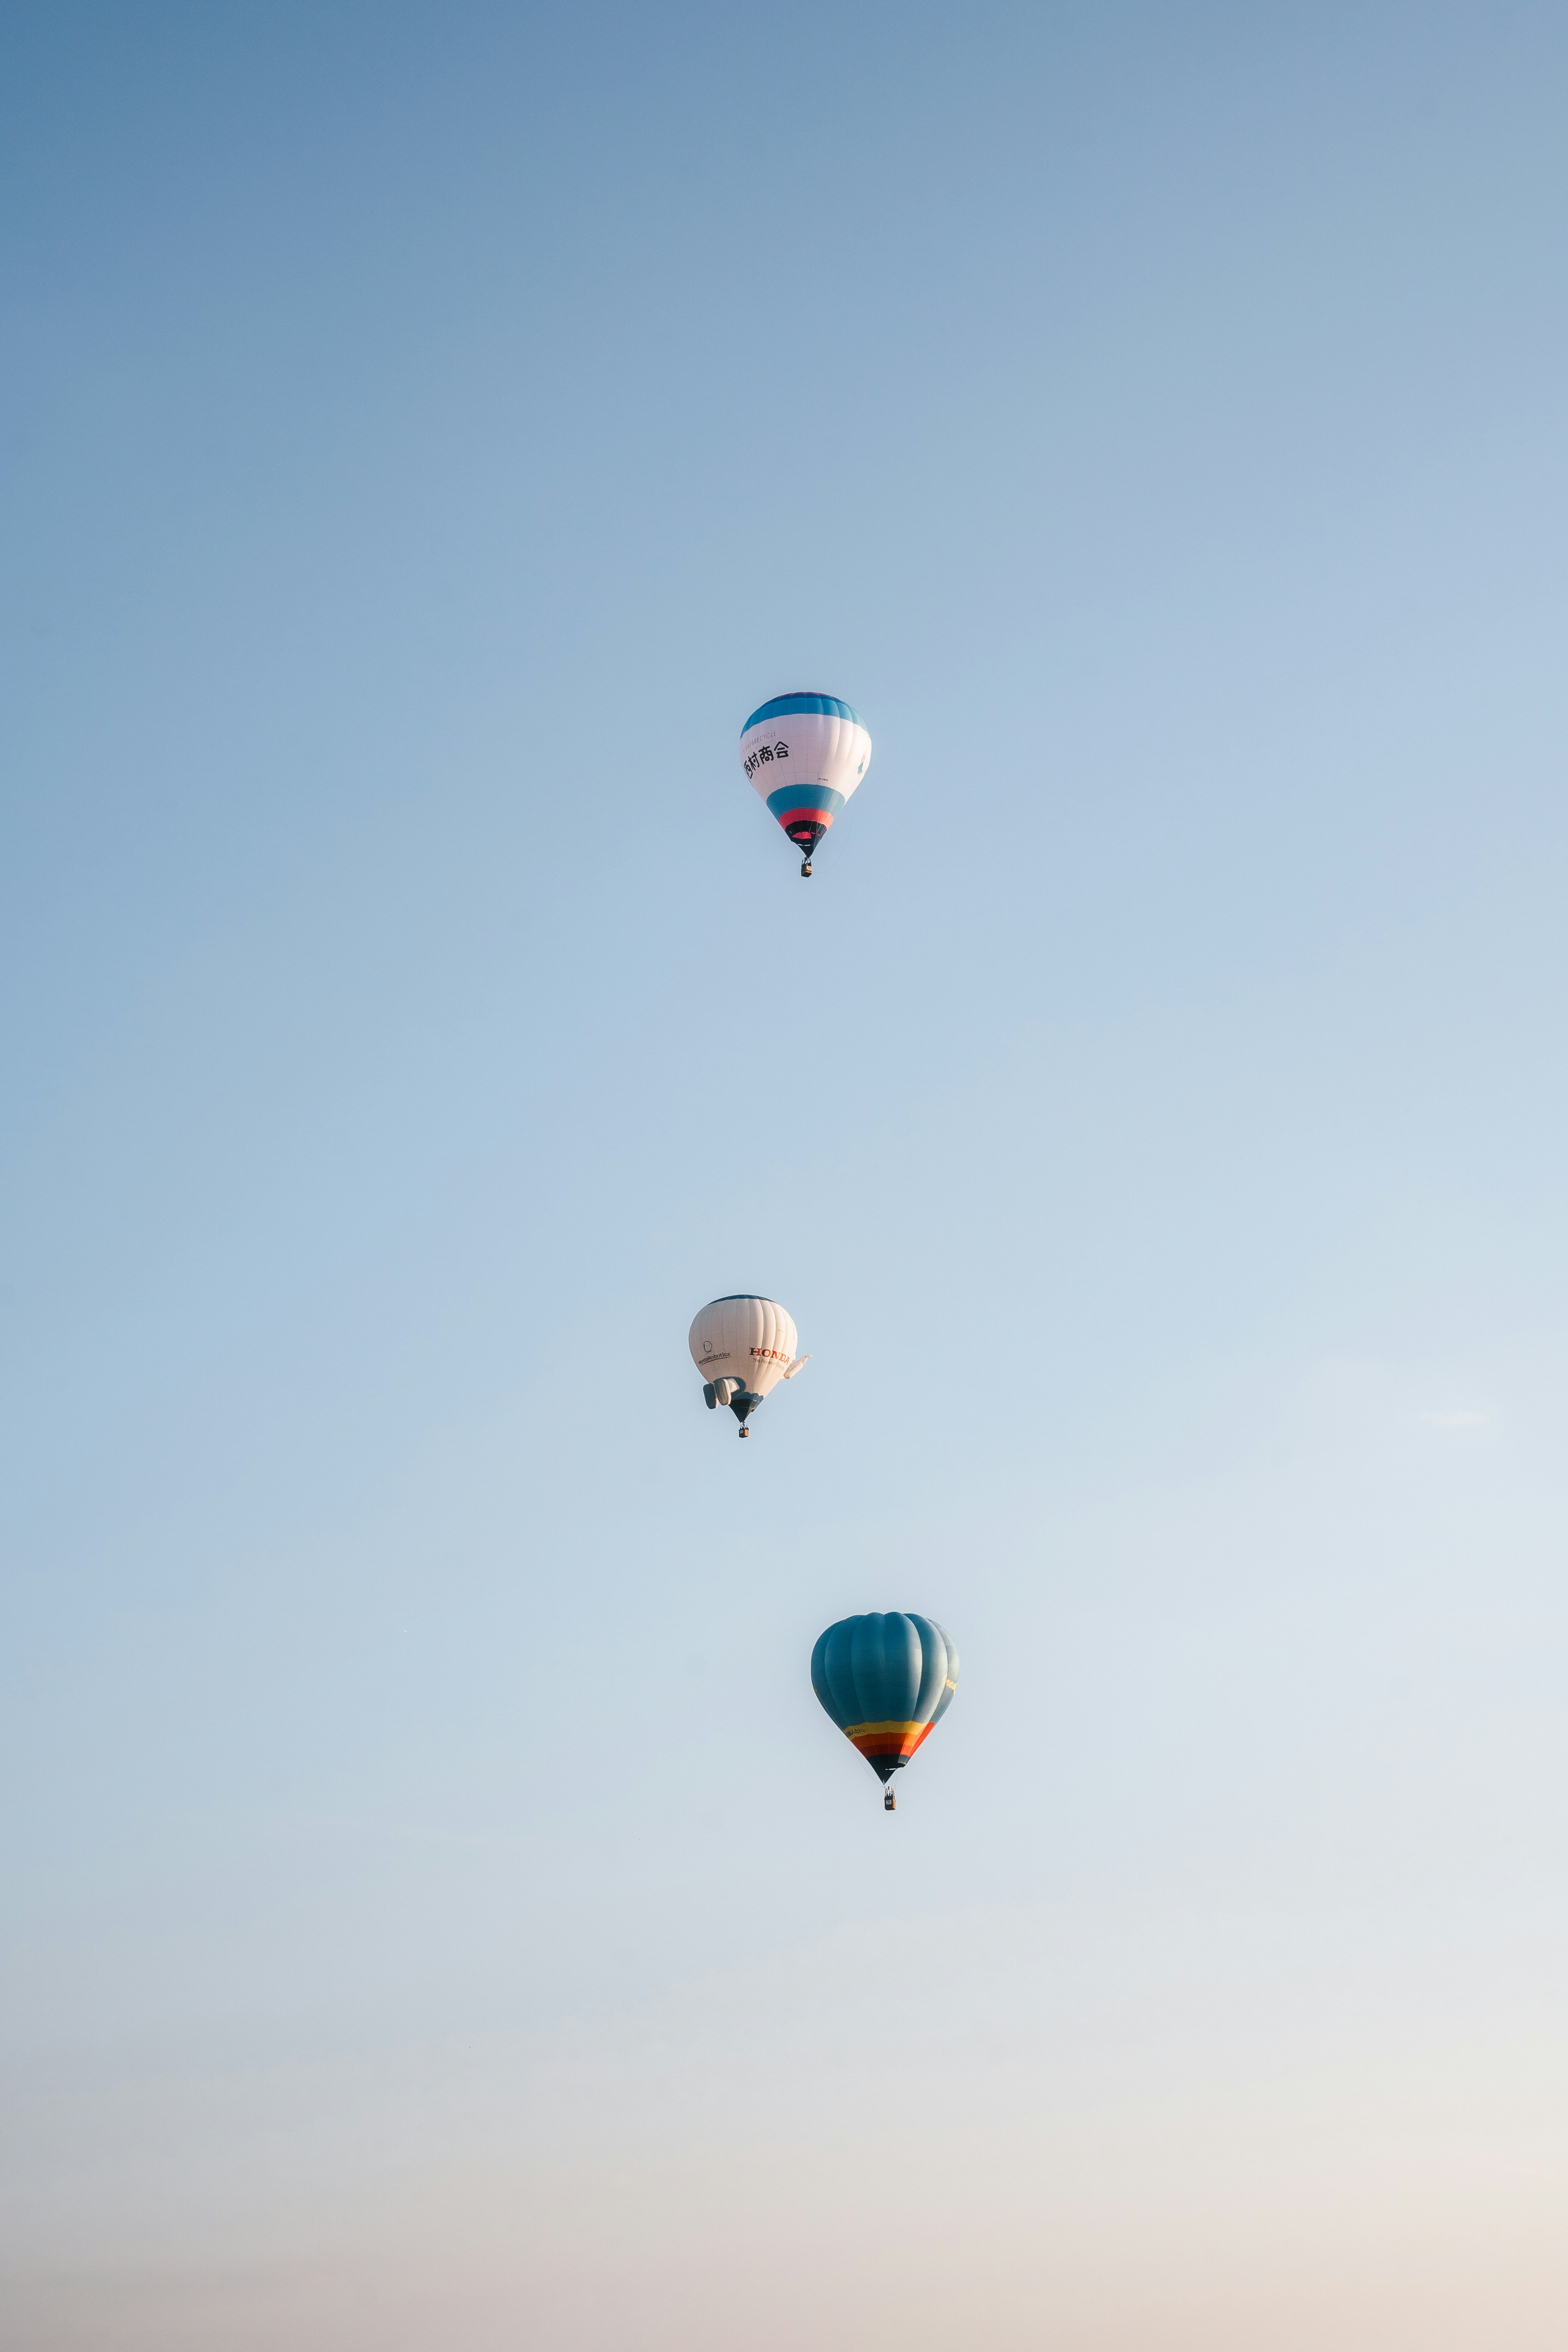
{"type": "Point", "coordinates": [434, 1904]}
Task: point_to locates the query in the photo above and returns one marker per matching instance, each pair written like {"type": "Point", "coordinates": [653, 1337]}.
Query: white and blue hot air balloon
{"type": "Point", "coordinates": [804, 755]}
{"type": "Point", "coordinates": [743, 1346]}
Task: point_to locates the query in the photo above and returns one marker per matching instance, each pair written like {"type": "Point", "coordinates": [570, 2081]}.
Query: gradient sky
{"type": "Point", "coordinates": [435, 1911]}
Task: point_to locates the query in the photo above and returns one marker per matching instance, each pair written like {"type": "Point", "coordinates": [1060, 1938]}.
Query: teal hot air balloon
{"type": "Point", "coordinates": [886, 1682]}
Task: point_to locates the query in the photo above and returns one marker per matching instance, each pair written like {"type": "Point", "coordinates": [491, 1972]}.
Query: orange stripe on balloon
{"type": "Point", "coordinates": [887, 1738]}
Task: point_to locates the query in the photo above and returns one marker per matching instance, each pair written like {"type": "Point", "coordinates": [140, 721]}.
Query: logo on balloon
{"type": "Point", "coordinates": [767, 751]}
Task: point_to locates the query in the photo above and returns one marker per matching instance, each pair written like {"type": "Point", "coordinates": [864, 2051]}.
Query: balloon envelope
{"type": "Point", "coordinates": [804, 755]}
{"type": "Point", "coordinates": [887, 1681]}
{"type": "Point", "coordinates": [744, 1338]}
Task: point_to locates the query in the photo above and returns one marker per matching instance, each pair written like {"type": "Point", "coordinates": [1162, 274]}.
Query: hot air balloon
{"type": "Point", "coordinates": [742, 1347]}
{"type": "Point", "coordinates": [804, 755]}
{"type": "Point", "coordinates": [886, 1682]}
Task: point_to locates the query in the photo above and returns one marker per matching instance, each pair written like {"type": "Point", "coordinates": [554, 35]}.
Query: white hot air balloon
{"type": "Point", "coordinates": [742, 1347]}
{"type": "Point", "coordinates": [804, 755]}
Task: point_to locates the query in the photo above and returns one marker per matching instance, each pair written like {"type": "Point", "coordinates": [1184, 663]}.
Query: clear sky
{"type": "Point", "coordinates": [435, 1911]}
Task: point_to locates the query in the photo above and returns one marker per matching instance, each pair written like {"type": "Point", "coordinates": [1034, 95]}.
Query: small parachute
{"type": "Point", "coordinates": [887, 1681]}
{"type": "Point", "coordinates": [743, 1346]}
{"type": "Point", "coordinates": [804, 755]}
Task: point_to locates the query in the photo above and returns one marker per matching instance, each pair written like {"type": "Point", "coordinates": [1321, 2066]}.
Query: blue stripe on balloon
{"type": "Point", "coordinates": [820, 705]}
{"type": "Point", "coordinates": [805, 796]}
{"type": "Point", "coordinates": [934, 1667]}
